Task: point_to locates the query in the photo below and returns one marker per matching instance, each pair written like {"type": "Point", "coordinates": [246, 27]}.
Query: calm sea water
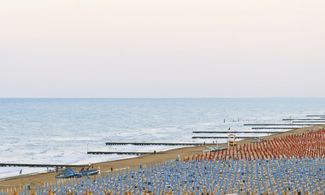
{"type": "Point", "coordinates": [62, 130]}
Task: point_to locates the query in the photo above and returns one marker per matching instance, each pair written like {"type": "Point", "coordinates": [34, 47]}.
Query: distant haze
{"type": "Point", "coordinates": [155, 48]}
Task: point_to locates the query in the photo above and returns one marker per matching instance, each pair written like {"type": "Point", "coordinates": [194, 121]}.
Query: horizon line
{"type": "Point", "coordinates": [185, 97]}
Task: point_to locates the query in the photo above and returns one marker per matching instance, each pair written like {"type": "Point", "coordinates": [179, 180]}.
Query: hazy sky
{"type": "Point", "coordinates": [162, 48]}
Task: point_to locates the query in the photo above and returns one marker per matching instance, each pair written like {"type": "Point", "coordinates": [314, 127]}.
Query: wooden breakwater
{"type": "Point", "coordinates": [316, 115]}
{"type": "Point", "coordinates": [224, 137]}
{"type": "Point", "coordinates": [303, 119]}
{"type": "Point", "coordinates": [197, 132]}
{"type": "Point", "coordinates": [282, 124]}
{"type": "Point", "coordinates": [122, 153]}
{"type": "Point", "coordinates": [154, 143]}
{"type": "Point", "coordinates": [313, 122]}
{"type": "Point", "coordinates": [38, 165]}
{"type": "Point", "coordinates": [283, 128]}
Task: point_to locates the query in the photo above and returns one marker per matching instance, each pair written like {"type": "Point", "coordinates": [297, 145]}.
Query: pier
{"type": "Point", "coordinates": [283, 128]}
{"type": "Point", "coordinates": [281, 124]}
{"type": "Point", "coordinates": [224, 137]}
{"type": "Point", "coordinates": [38, 165]}
{"type": "Point", "coordinates": [153, 143]}
{"type": "Point", "coordinates": [238, 131]}
{"type": "Point", "coordinates": [303, 119]}
{"type": "Point", "coordinates": [122, 153]}
{"type": "Point", "coordinates": [318, 122]}
{"type": "Point", "coordinates": [316, 115]}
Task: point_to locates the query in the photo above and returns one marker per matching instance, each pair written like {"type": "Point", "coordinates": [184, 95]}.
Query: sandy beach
{"type": "Point", "coordinates": [162, 97]}
{"type": "Point", "coordinates": [40, 179]}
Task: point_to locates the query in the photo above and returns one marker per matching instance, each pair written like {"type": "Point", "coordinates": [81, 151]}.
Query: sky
{"type": "Point", "coordinates": [162, 48]}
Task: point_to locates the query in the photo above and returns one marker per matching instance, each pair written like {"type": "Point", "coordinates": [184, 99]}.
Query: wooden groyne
{"type": "Point", "coordinates": [154, 143]}
{"type": "Point", "coordinates": [237, 132]}
{"type": "Point", "coordinates": [283, 128]}
{"type": "Point", "coordinates": [122, 153]}
{"type": "Point", "coordinates": [318, 122]}
{"type": "Point", "coordinates": [38, 165]}
{"type": "Point", "coordinates": [303, 119]}
{"type": "Point", "coordinates": [280, 124]}
{"type": "Point", "coordinates": [316, 115]}
{"type": "Point", "coordinates": [224, 137]}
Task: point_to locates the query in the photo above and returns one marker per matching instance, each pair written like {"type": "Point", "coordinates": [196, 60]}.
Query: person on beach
{"type": "Point", "coordinates": [20, 172]}
{"type": "Point", "coordinates": [178, 157]}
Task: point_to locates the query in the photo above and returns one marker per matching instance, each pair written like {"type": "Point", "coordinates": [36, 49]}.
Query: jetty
{"type": "Point", "coordinates": [316, 115]}
{"type": "Point", "coordinates": [155, 143]}
{"type": "Point", "coordinates": [282, 124]}
{"type": "Point", "coordinates": [224, 137]}
{"type": "Point", "coordinates": [122, 153]}
{"type": "Point", "coordinates": [38, 165]}
{"type": "Point", "coordinates": [283, 128]}
{"type": "Point", "coordinates": [238, 131]}
{"type": "Point", "coordinates": [319, 122]}
{"type": "Point", "coordinates": [303, 119]}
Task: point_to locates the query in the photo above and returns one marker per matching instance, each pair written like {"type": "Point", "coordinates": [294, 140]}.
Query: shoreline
{"type": "Point", "coordinates": [36, 179]}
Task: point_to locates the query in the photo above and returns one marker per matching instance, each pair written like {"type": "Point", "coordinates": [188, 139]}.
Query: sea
{"type": "Point", "coordinates": [61, 131]}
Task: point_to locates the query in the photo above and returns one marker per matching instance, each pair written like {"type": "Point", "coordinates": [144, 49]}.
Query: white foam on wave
{"type": "Point", "coordinates": [61, 131]}
{"type": "Point", "coordinates": [6, 172]}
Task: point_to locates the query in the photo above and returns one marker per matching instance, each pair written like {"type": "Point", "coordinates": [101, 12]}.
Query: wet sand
{"type": "Point", "coordinates": [40, 179]}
